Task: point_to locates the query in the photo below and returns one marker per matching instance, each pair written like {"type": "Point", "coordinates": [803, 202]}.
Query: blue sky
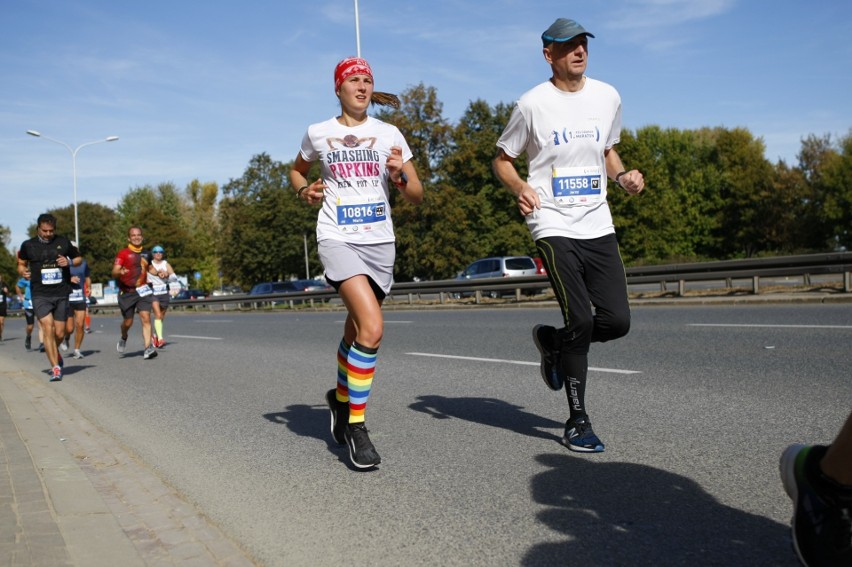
{"type": "Point", "coordinates": [195, 89]}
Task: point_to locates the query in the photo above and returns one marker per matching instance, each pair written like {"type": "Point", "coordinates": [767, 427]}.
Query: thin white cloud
{"type": "Point", "coordinates": [658, 15]}
{"type": "Point", "coordinates": [664, 25]}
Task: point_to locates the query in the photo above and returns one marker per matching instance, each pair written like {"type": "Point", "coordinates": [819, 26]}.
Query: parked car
{"type": "Point", "coordinates": [292, 286]}
{"type": "Point", "coordinates": [499, 267]}
{"type": "Point", "coordinates": [266, 288]}
{"type": "Point", "coordinates": [539, 266]}
{"type": "Point", "coordinates": [311, 285]}
{"type": "Point", "coordinates": [228, 290]}
{"type": "Point", "coordinates": [190, 294]}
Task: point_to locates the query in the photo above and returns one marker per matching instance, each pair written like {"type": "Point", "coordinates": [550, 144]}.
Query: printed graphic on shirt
{"type": "Point", "coordinates": [565, 135]}
{"type": "Point", "coordinates": [354, 163]}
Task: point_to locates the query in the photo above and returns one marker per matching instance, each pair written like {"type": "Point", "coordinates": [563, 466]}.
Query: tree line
{"type": "Point", "coordinates": [710, 195]}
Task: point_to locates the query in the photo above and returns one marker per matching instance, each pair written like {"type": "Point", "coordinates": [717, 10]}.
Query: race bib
{"type": "Point", "coordinates": [76, 296]}
{"type": "Point", "coordinates": [360, 213]}
{"type": "Point", "coordinates": [51, 276]}
{"type": "Point", "coordinates": [144, 290]}
{"type": "Point", "coordinates": [160, 289]}
{"type": "Point", "coordinates": [573, 186]}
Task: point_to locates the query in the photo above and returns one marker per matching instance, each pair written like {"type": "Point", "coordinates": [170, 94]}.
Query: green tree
{"type": "Point", "coordinates": [159, 212]}
{"type": "Point", "coordinates": [200, 217]}
{"type": "Point", "coordinates": [783, 222]}
{"type": "Point", "coordinates": [492, 210]}
{"type": "Point", "coordinates": [8, 262]}
{"type": "Point", "coordinates": [747, 191]}
{"type": "Point", "coordinates": [420, 119]}
{"type": "Point", "coordinates": [263, 227]}
{"type": "Point", "coordinates": [828, 206]}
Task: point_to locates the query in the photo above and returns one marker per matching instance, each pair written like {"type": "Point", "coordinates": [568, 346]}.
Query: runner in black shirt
{"type": "Point", "coordinates": [48, 258]}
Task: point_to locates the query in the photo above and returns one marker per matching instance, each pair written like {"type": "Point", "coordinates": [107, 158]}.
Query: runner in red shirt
{"type": "Point", "coordinates": [131, 272]}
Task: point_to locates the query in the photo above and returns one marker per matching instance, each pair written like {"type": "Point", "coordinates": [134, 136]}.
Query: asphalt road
{"type": "Point", "coordinates": [695, 406]}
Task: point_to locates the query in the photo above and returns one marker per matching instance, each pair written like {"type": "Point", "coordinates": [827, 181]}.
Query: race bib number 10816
{"type": "Point", "coordinates": [360, 212]}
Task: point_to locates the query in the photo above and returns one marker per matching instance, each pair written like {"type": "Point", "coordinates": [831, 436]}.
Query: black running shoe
{"type": "Point", "coordinates": [822, 522]}
{"type": "Point", "coordinates": [339, 416]}
{"type": "Point", "coordinates": [544, 337]}
{"type": "Point", "coordinates": [361, 451]}
{"type": "Point", "coordinates": [28, 343]}
{"type": "Point", "coordinates": [580, 437]}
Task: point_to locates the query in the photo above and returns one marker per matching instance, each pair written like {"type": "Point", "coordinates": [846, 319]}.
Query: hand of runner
{"type": "Point", "coordinates": [314, 193]}
{"type": "Point", "coordinates": [528, 200]}
{"type": "Point", "coordinates": [633, 181]}
{"type": "Point", "coordinates": [394, 163]}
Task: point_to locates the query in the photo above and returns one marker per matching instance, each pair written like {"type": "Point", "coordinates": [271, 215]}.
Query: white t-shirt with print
{"type": "Point", "coordinates": [159, 285]}
{"type": "Point", "coordinates": [356, 207]}
{"type": "Point", "coordinates": [564, 135]}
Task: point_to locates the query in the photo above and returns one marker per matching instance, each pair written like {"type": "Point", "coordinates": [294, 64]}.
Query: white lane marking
{"type": "Point", "coordinates": [195, 337]}
{"type": "Point", "coordinates": [770, 326]}
{"type": "Point", "coordinates": [521, 362]}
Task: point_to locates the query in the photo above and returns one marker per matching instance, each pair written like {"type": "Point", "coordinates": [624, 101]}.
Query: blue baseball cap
{"type": "Point", "coordinates": [561, 30]}
{"type": "Point", "coordinates": [157, 248]}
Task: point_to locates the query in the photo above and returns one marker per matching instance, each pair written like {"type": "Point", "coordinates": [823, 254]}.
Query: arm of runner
{"type": "Point", "coordinates": [504, 168]}
{"type": "Point", "coordinates": [23, 267]}
{"type": "Point", "coordinates": [404, 176]}
{"type": "Point", "coordinates": [312, 193]}
{"type": "Point", "coordinates": [118, 268]}
{"type": "Point", "coordinates": [631, 181]}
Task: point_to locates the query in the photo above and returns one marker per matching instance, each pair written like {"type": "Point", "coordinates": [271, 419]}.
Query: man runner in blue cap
{"type": "Point", "coordinates": [568, 127]}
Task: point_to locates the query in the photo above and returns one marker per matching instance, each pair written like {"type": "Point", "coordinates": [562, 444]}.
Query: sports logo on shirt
{"type": "Point", "coordinates": [568, 135]}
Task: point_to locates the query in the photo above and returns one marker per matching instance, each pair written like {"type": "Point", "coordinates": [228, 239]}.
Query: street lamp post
{"type": "Point", "coordinates": [74, 166]}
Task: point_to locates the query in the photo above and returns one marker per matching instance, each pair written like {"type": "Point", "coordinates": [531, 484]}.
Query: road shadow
{"type": "Point", "coordinates": [631, 514]}
{"type": "Point", "coordinates": [491, 412]}
{"type": "Point", "coordinates": [71, 369]}
{"type": "Point", "coordinates": [312, 421]}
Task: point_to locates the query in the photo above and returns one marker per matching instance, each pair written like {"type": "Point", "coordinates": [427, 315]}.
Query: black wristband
{"type": "Point", "coordinates": [618, 175]}
{"type": "Point", "coordinates": [299, 192]}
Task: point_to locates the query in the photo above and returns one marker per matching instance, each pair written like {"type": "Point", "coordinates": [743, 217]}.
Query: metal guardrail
{"type": "Point", "coordinates": [803, 266]}
{"type": "Point", "coordinates": [839, 263]}
{"type": "Point", "coordinates": [754, 269]}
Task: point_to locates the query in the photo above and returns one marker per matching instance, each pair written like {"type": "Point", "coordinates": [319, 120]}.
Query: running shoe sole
{"type": "Point", "coordinates": [580, 449]}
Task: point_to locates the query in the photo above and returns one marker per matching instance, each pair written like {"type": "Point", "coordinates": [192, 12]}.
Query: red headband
{"type": "Point", "coordinates": [348, 67]}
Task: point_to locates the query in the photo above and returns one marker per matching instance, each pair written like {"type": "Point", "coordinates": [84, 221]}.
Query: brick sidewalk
{"type": "Point", "coordinates": [71, 495]}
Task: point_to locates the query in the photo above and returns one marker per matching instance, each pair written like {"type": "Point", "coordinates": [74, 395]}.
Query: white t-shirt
{"type": "Point", "coordinates": [356, 207]}
{"type": "Point", "coordinates": [564, 135]}
{"type": "Point", "coordinates": [159, 285]}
